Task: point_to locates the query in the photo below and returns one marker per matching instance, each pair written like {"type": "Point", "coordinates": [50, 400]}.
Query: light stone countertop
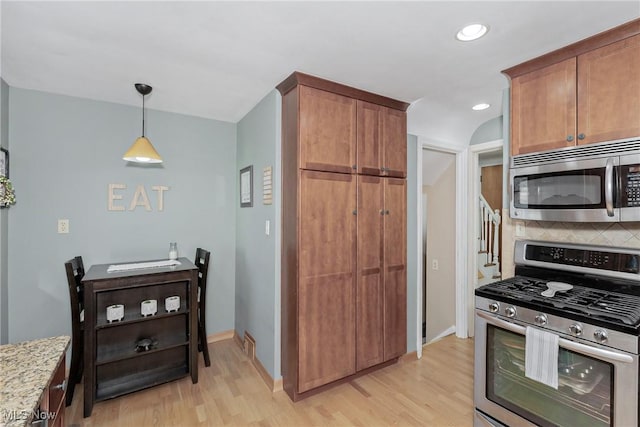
{"type": "Point", "coordinates": [25, 371]}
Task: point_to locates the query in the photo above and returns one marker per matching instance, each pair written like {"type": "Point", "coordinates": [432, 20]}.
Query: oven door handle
{"type": "Point", "coordinates": [598, 353]}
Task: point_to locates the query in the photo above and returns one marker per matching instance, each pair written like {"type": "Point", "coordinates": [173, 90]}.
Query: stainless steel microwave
{"type": "Point", "coordinates": [589, 183]}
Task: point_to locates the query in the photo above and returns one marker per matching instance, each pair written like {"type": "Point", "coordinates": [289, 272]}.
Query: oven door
{"type": "Point", "coordinates": [579, 191]}
{"type": "Point", "coordinates": [598, 386]}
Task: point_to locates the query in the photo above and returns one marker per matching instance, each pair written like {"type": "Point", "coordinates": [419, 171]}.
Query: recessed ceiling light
{"type": "Point", "coordinates": [472, 32]}
{"type": "Point", "coordinates": [480, 107]}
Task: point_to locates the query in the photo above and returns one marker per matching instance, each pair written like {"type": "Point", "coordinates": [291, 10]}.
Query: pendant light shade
{"type": "Point", "coordinates": [142, 151]}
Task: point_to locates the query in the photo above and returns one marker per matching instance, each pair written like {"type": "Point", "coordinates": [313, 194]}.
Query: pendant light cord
{"type": "Point", "coordinates": [143, 116]}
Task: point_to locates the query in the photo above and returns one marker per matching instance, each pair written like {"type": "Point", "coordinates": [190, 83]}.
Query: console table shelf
{"type": "Point", "coordinates": [115, 363]}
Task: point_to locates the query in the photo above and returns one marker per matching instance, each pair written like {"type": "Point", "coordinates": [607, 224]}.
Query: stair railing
{"type": "Point", "coordinates": [489, 237]}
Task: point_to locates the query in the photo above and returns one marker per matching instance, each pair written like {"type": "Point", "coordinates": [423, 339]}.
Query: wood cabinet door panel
{"type": "Point", "coordinates": [369, 292]}
{"type": "Point", "coordinates": [369, 143]}
{"type": "Point", "coordinates": [609, 92]}
{"type": "Point", "coordinates": [327, 261]}
{"type": "Point", "coordinates": [394, 141]}
{"type": "Point", "coordinates": [395, 268]}
{"type": "Point", "coordinates": [543, 109]}
{"type": "Point", "coordinates": [327, 131]}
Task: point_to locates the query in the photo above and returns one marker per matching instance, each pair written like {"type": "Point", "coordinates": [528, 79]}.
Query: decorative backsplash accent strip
{"type": "Point", "coordinates": [607, 234]}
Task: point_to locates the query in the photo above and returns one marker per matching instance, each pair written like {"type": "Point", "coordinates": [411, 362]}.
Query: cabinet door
{"type": "Point", "coordinates": [327, 131]}
{"type": "Point", "coordinates": [370, 292]}
{"type": "Point", "coordinates": [369, 143]}
{"type": "Point", "coordinates": [543, 109]}
{"type": "Point", "coordinates": [326, 292]}
{"type": "Point", "coordinates": [395, 268]}
{"type": "Point", "coordinates": [394, 142]}
{"type": "Point", "coordinates": [609, 92]}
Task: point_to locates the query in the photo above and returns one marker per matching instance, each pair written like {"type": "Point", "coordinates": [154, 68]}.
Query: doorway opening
{"type": "Point", "coordinates": [438, 244]}
{"type": "Point", "coordinates": [486, 200]}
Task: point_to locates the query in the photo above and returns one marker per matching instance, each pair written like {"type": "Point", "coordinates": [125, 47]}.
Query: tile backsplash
{"type": "Point", "coordinates": [606, 234]}
{"type": "Point", "coordinates": [624, 234]}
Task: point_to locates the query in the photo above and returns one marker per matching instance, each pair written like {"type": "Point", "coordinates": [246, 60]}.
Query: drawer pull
{"type": "Point", "coordinates": [62, 386]}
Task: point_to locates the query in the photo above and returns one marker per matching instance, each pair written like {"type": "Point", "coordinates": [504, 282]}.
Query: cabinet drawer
{"type": "Point", "coordinates": [57, 388]}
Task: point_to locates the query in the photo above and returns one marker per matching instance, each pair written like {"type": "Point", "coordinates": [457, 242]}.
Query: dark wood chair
{"type": "Point", "coordinates": [202, 262]}
{"type": "Point", "coordinates": [75, 271]}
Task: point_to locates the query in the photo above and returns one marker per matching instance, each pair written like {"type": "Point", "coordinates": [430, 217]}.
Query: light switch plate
{"type": "Point", "coordinates": [63, 226]}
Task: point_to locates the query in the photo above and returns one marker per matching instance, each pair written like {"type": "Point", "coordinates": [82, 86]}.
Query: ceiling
{"type": "Point", "coordinates": [218, 59]}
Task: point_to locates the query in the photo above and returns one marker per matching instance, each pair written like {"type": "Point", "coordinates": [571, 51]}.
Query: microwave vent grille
{"type": "Point", "coordinates": [605, 149]}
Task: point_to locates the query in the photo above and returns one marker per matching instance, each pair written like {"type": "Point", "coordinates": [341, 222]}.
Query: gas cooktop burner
{"type": "Point", "coordinates": [592, 303]}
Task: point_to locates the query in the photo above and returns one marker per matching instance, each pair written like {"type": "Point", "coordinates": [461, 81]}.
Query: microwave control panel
{"type": "Point", "coordinates": [630, 180]}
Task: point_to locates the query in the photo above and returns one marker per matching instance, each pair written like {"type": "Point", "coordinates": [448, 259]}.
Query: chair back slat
{"type": "Point", "coordinates": [75, 272]}
{"type": "Point", "coordinates": [202, 262]}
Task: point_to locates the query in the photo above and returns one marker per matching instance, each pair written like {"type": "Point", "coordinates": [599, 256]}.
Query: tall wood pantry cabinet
{"type": "Point", "coordinates": [344, 233]}
{"type": "Point", "coordinates": [584, 93]}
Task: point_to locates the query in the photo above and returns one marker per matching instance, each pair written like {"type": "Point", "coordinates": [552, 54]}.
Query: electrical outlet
{"type": "Point", "coordinates": [520, 229]}
{"type": "Point", "coordinates": [267, 227]}
{"type": "Point", "coordinates": [434, 264]}
{"type": "Point", "coordinates": [63, 226]}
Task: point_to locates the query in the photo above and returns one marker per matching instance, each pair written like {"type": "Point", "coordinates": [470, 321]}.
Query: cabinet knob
{"type": "Point", "coordinates": [355, 212]}
{"type": "Point", "coordinates": [381, 211]}
{"type": "Point", "coordinates": [383, 169]}
{"type": "Point", "coordinates": [569, 138]}
{"type": "Point", "coordinates": [386, 212]}
{"type": "Point", "coordinates": [581, 136]}
{"type": "Point", "coordinates": [61, 386]}
{"type": "Point", "coordinates": [354, 167]}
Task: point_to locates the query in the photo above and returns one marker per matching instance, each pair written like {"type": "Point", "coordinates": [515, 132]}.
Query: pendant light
{"type": "Point", "coordinates": [142, 151]}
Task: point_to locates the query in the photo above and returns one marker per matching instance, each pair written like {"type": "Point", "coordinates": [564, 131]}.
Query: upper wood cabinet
{"type": "Point", "coordinates": [585, 93]}
{"type": "Point", "coordinates": [347, 130]}
{"type": "Point", "coordinates": [327, 131]}
{"type": "Point", "coordinates": [382, 140]}
{"type": "Point", "coordinates": [609, 92]}
{"type": "Point", "coordinates": [543, 109]}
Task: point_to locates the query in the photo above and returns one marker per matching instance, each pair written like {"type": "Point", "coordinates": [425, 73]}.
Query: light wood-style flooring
{"type": "Point", "coordinates": [436, 390]}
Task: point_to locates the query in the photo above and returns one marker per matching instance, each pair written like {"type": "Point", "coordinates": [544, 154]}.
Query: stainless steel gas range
{"type": "Point", "coordinates": [586, 299]}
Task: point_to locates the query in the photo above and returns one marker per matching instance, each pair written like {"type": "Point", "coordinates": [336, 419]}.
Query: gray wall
{"type": "Point", "coordinates": [412, 243]}
{"type": "Point", "coordinates": [490, 130]}
{"type": "Point", "coordinates": [64, 153]}
{"type": "Point", "coordinates": [4, 222]}
{"type": "Point", "coordinates": [257, 266]}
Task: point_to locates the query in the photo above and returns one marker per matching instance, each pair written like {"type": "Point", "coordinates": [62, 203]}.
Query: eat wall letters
{"type": "Point", "coordinates": [140, 197]}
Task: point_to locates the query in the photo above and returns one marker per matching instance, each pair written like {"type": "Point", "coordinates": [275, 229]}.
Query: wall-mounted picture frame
{"type": "Point", "coordinates": [4, 162]}
{"type": "Point", "coordinates": [246, 187]}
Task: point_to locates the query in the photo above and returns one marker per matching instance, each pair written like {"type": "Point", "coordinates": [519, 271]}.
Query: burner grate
{"type": "Point", "coordinates": [589, 302]}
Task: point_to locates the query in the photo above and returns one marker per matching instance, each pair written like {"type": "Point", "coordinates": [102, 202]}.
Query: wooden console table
{"type": "Point", "coordinates": [113, 362]}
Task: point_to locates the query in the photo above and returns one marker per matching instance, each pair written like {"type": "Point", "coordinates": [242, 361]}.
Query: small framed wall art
{"type": "Point", "coordinates": [246, 187]}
